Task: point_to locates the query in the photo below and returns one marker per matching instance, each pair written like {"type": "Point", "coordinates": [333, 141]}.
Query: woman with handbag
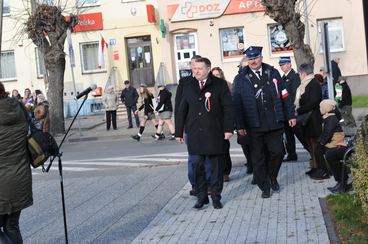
{"type": "Point", "coordinates": [15, 171]}
{"type": "Point", "coordinates": [309, 120]}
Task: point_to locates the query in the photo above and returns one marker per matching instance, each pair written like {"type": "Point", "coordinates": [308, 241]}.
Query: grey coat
{"type": "Point", "coordinates": [15, 171]}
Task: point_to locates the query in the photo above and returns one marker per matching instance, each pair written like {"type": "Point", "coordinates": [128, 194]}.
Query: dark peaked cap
{"type": "Point", "coordinates": [253, 52]}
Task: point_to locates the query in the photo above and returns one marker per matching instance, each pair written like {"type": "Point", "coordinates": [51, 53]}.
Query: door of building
{"type": "Point", "coordinates": [185, 48]}
{"type": "Point", "coordinates": [140, 61]}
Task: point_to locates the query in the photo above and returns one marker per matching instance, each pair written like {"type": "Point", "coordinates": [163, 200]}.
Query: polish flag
{"type": "Point", "coordinates": [101, 48]}
{"type": "Point", "coordinates": [284, 94]}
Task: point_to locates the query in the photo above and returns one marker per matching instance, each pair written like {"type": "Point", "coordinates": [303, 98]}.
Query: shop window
{"type": "Point", "coordinates": [7, 66]}
{"type": "Point", "coordinates": [40, 63]}
{"type": "Point", "coordinates": [335, 34]}
{"type": "Point", "coordinates": [6, 8]}
{"type": "Point", "coordinates": [89, 56]}
{"type": "Point", "coordinates": [232, 43]}
{"type": "Point", "coordinates": [87, 3]}
{"type": "Point", "coordinates": [278, 41]}
{"type": "Point", "coordinates": [185, 46]}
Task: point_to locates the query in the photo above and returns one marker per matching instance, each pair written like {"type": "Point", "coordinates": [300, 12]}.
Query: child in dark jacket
{"type": "Point", "coordinates": [332, 142]}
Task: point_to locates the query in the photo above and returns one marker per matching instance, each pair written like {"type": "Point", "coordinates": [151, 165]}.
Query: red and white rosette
{"type": "Point", "coordinates": [207, 102]}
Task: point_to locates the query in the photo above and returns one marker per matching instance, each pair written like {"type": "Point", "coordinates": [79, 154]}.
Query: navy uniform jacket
{"type": "Point", "coordinates": [205, 128]}
{"type": "Point", "coordinates": [247, 108]}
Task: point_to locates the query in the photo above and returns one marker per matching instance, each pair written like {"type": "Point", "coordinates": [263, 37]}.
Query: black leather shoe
{"type": "Point", "coordinates": [288, 159]}
{"type": "Point", "coordinates": [200, 203]}
{"type": "Point", "coordinates": [275, 185]}
{"type": "Point", "coordinates": [253, 182]}
{"type": "Point", "coordinates": [266, 194]}
{"type": "Point", "coordinates": [129, 127]}
{"type": "Point", "coordinates": [311, 171]}
{"type": "Point", "coordinates": [334, 188]}
{"type": "Point", "coordinates": [217, 204]}
{"type": "Point", "coordinates": [136, 137]}
{"type": "Point", "coordinates": [319, 174]}
{"type": "Point", "coordinates": [193, 192]}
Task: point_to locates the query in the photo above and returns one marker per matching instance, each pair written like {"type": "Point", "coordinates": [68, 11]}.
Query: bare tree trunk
{"type": "Point", "coordinates": [55, 66]}
{"type": "Point", "coordinates": [284, 13]}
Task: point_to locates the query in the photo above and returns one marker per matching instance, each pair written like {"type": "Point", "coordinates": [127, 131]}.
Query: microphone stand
{"type": "Point", "coordinates": [60, 166]}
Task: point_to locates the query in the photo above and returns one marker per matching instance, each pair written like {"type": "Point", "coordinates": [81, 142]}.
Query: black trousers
{"type": "Point", "coordinates": [214, 179]}
{"type": "Point", "coordinates": [11, 231]}
{"type": "Point", "coordinates": [227, 159]}
{"type": "Point", "coordinates": [111, 116]}
{"type": "Point", "coordinates": [333, 157]}
{"type": "Point", "coordinates": [290, 141]}
{"type": "Point", "coordinates": [267, 155]}
{"type": "Point", "coordinates": [130, 110]}
{"type": "Point", "coordinates": [299, 133]}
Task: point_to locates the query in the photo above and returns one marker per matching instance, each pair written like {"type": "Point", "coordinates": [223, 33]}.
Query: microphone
{"type": "Point", "coordinates": [86, 91]}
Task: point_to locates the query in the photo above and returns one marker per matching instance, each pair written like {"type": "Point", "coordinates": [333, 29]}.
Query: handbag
{"type": "Point", "coordinates": [302, 120]}
{"type": "Point", "coordinates": [40, 145]}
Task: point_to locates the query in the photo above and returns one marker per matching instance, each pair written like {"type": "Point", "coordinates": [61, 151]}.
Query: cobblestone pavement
{"type": "Point", "coordinates": [291, 216]}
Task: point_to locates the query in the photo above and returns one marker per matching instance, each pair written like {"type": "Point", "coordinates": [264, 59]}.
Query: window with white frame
{"type": "Point", "coordinates": [87, 3]}
{"type": "Point", "coordinates": [89, 55]}
{"type": "Point", "coordinates": [335, 34]}
{"type": "Point", "coordinates": [6, 8]}
{"type": "Point", "coordinates": [40, 63]}
{"type": "Point", "coordinates": [7, 62]}
{"type": "Point", "coordinates": [232, 43]}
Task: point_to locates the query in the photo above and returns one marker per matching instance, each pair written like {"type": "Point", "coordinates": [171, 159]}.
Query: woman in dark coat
{"type": "Point", "coordinates": [308, 97]}
{"type": "Point", "coordinates": [15, 171]}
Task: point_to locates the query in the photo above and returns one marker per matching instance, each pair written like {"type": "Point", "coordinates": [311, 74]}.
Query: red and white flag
{"type": "Point", "coordinates": [284, 93]}
{"type": "Point", "coordinates": [101, 48]}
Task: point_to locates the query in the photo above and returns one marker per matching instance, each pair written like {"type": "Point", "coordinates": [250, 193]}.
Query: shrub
{"type": "Point", "coordinates": [360, 173]}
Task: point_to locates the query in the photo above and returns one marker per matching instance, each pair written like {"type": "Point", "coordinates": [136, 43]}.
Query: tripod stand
{"type": "Point", "coordinates": [60, 167]}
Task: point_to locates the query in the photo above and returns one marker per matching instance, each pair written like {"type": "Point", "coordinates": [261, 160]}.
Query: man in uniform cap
{"type": "Point", "coordinates": [261, 103]}
{"type": "Point", "coordinates": [292, 81]}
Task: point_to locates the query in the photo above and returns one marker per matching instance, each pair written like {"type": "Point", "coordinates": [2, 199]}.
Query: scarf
{"type": "Point", "coordinates": [301, 89]}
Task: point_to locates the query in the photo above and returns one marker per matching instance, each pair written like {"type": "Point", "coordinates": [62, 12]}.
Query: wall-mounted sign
{"type": "Point", "coordinates": [279, 43]}
{"type": "Point", "coordinates": [112, 42]}
{"type": "Point", "coordinates": [205, 9]}
{"type": "Point", "coordinates": [247, 6]}
{"type": "Point", "coordinates": [116, 55]}
{"type": "Point", "coordinates": [89, 22]}
{"type": "Point", "coordinates": [200, 9]}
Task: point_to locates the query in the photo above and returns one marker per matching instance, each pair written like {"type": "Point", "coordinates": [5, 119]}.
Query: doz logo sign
{"type": "Point", "coordinates": [200, 9]}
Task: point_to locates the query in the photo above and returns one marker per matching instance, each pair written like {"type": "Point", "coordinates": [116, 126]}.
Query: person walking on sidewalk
{"type": "Point", "coordinates": [129, 97]}
{"type": "Point", "coordinates": [164, 109]}
{"type": "Point", "coordinates": [292, 82]}
{"type": "Point", "coordinates": [205, 112]}
{"type": "Point", "coordinates": [110, 102]}
{"type": "Point", "coordinates": [345, 103]}
{"type": "Point", "coordinates": [261, 103]}
{"type": "Point", "coordinates": [149, 112]}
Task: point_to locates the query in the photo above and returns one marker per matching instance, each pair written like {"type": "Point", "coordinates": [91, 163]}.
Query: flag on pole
{"type": "Point", "coordinates": [101, 48]}
{"type": "Point", "coordinates": [70, 48]}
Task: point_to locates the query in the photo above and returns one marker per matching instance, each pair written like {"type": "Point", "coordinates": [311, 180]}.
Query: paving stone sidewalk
{"type": "Point", "coordinates": [291, 216]}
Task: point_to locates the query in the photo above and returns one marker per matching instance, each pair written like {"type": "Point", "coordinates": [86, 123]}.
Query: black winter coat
{"type": "Point", "coordinates": [292, 81]}
{"type": "Point", "coordinates": [129, 96]}
{"type": "Point", "coordinates": [330, 126]}
{"type": "Point", "coordinates": [164, 101]}
{"type": "Point", "coordinates": [179, 91]}
{"type": "Point", "coordinates": [336, 72]}
{"type": "Point", "coordinates": [309, 101]}
{"type": "Point", "coordinates": [147, 105]}
{"type": "Point", "coordinates": [205, 129]}
{"type": "Point", "coordinates": [346, 99]}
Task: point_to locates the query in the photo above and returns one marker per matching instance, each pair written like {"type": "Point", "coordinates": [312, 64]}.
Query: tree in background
{"type": "Point", "coordinates": [47, 28]}
{"type": "Point", "coordinates": [285, 13]}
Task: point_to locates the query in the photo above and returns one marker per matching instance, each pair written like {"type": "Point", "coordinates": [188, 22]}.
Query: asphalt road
{"type": "Point", "coordinates": [113, 189]}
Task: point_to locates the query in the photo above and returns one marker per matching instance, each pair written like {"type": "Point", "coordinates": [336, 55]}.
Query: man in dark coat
{"type": "Point", "coordinates": [292, 81]}
{"type": "Point", "coordinates": [261, 103]}
{"type": "Point", "coordinates": [129, 96]}
{"type": "Point", "coordinates": [205, 113]}
{"type": "Point", "coordinates": [179, 94]}
{"type": "Point", "coordinates": [345, 105]}
{"type": "Point", "coordinates": [336, 72]}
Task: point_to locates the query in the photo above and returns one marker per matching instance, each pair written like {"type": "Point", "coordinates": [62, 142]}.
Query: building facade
{"type": "Point", "coordinates": [222, 29]}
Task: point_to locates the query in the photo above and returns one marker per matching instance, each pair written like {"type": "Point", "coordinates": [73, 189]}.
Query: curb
{"type": "Point", "coordinates": [334, 239]}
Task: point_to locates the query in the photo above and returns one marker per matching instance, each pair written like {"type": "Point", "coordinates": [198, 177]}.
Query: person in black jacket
{"type": "Point", "coordinates": [292, 81]}
{"type": "Point", "coordinates": [129, 97]}
{"type": "Point", "coordinates": [261, 103]}
{"type": "Point", "coordinates": [331, 143]}
{"type": "Point", "coordinates": [206, 114]}
{"type": "Point", "coordinates": [149, 112]}
{"type": "Point", "coordinates": [178, 97]}
{"type": "Point", "coordinates": [336, 72]}
{"type": "Point", "coordinates": [164, 109]}
{"type": "Point", "coordinates": [346, 103]}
